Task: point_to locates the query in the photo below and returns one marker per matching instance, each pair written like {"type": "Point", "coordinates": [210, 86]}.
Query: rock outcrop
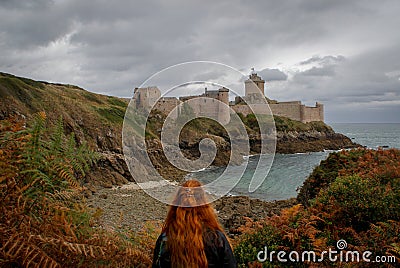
{"type": "Point", "coordinates": [311, 141]}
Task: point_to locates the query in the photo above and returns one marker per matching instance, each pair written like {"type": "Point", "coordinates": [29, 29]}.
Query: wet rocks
{"type": "Point", "coordinates": [232, 210]}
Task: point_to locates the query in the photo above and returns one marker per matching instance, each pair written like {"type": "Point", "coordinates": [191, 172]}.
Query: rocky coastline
{"type": "Point", "coordinates": [131, 207]}
{"type": "Point", "coordinates": [111, 170]}
{"type": "Point", "coordinates": [97, 120]}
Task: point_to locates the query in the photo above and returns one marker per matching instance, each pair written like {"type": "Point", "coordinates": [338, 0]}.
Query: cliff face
{"type": "Point", "coordinates": [97, 120]}
{"type": "Point", "coordinates": [311, 141]}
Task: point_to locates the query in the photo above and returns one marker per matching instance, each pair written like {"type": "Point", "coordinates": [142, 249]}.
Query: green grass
{"type": "Point", "coordinates": [92, 97]}
{"type": "Point", "coordinates": [286, 124]}
{"type": "Point", "coordinates": [112, 114]}
{"type": "Point", "coordinates": [117, 102]}
{"type": "Point", "coordinates": [26, 81]}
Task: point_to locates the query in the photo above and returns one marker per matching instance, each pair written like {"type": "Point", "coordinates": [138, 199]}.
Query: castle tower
{"type": "Point", "coordinates": [223, 109]}
{"type": "Point", "coordinates": [223, 95]}
{"type": "Point", "coordinates": [146, 97]}
{"type": "Point", "coordinates": [255, 88]}
{"type": "Point", "coordinates": [320, 107]}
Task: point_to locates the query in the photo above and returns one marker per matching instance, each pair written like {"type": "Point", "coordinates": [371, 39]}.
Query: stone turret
{"type": "Point", "coordinates": [254, 85]}
{"type": "Point", "coordinates": [223, 95]}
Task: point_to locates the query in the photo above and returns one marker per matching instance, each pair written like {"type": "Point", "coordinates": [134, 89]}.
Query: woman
{"type": "Point", "coordinates": [191, 235]}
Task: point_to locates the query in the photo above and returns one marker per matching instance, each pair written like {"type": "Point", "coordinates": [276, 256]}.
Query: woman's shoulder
{"type": "Point", "coordinates": [163, 236]}
{"type": "Point", "coordinates": [215, 237]}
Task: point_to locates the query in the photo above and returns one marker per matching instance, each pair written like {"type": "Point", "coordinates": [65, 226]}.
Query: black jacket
{"type": "Point", "coordinates": [218, 251]}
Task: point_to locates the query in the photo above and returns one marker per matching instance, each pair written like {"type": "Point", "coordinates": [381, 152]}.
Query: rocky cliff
{"type": "Point", "coordinates": [97, 119]}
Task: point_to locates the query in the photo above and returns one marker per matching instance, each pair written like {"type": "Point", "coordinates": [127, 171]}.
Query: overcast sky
{"type": "Point", "coordinates": [345, 54]}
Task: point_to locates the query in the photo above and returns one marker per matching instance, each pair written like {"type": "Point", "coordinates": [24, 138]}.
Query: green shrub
{"type": "Point", "coordinates": [358, 202]}
{"type": "Point", "coordinates": [246, 251]}
{"type": "Point", "coordinates": [325, 173]}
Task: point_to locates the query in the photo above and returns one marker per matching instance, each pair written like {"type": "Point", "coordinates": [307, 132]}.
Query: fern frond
{"type": "Point", "coordinates": [64, 195]}
{"type": "Point", "coordinates": [78, 248]}
{"type": "Point", "coordinates": [26, 253]}
{"type": "Point", "coordinates": [65, 172]}
{"type": "Point", "coordinates": [395, 251]}
{"type": "Point", "coordinates": [57, 136]}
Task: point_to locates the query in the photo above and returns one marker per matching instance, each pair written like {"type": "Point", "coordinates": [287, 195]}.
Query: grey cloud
{"type": "Point", "coordinates": [11, 4]}
{"type": "Point", "coordinates": [273, 75]}
{"type": "Point", "coordinates": [113, 46]}
{"type": "Point", "coordinates": [209, 75]}
{"type": "Point", "coordinates": [359, 82]}
{"type": "Point", "coordinates": [326, 60]}
{"type": "Point", "coordinates": [320, 71]}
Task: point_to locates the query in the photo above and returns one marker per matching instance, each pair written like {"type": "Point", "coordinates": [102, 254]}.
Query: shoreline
{"type": "Point", "coordinates": [130, 207]}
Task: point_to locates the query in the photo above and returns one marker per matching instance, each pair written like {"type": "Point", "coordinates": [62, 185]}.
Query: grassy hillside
{"type": "Point", "coordinates": [92, 117]}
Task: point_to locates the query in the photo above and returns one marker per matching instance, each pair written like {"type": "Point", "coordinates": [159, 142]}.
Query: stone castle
{"type": "Point", "coordinates": [215, 103]}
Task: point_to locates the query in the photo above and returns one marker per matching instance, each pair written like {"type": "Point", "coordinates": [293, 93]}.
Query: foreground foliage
{"type": "Point", "coordinates": [44, 222]}
{"type": "Point", "coordinates": [356, 198]}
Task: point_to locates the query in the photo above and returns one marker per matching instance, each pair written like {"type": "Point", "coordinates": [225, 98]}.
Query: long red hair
{"type": "Point", "coordinates": [186, 222]}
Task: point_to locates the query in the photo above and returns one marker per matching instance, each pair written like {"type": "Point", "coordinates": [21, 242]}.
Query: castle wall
{"type": "Point", "coordinates": [166, 105]}
{"type": "Point", "coordinates": [292, 110]}
{"type": "Point", "coordinates": [213, 104]}
{"type": "Point", "coordinates": [245, 109]}
{"type": "Point", "coordinates": [210, 108]}
{"type": "Point", "coordinates": [289, 102]}
{"type": "Point", "coordinates": [313, 113]}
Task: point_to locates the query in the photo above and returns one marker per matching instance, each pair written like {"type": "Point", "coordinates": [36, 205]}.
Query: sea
{"type": "Point", "coordinates": [289, 171]}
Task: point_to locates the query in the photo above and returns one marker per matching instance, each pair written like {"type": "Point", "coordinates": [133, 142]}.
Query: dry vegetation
{"type": "Point", "coordinates": [353, 195]}
{"type": "Point", "coordinates": [44, 222]}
